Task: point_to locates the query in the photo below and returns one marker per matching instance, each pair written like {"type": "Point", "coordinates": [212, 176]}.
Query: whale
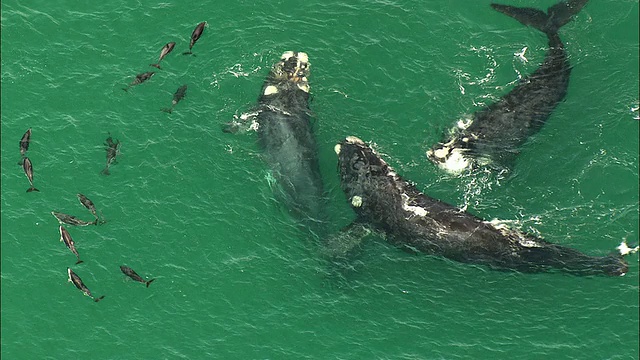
{"type": "Point", "coordinates": [414, 222]}
{"type": "Point", "coordinates": [493, 136]}
{"type": "Point", "coordinates": [286, 136]}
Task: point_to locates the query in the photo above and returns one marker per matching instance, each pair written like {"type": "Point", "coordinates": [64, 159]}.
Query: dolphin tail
{"type": "Point", "coordinates": [98, 299]}
{"type": "Point", "coordinates": [549, 23]}
{"type": "Point", "coordinates": [155, 65]}
{"type": "Point", "coordinates": [32, 188]}
{"type": "Point", "coordinates": [149, 282]}
{"type": "Point", "coordinates": [79, 261]}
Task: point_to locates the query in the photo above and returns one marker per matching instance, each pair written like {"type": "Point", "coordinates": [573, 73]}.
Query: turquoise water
{"type": "Point", "coordinates": [193, 207]}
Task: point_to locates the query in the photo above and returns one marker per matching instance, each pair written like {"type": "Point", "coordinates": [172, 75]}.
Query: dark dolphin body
{"type": "Point", "coordinates": [132, 274]}
{"type": "Point", "coordinates": [113, 149]}
{"type": "Point", "coordinates": [494, 136]}
{"type": "Point", "coordinates": [75, 279]}
{"type": "Point", "coordinates": [24, 145]}
{"type": "Point", "coordinates": [195, 35]}
{"type": "Point", "coordinates": [285, 134]}
{"type": "Point", "coordinates": [65, 237]}
{"type": "Point", "coordinates": [140, 78]}
{"type": "Point", "coordinates": [415, 221]}
{"type": "Point", "coordinates": [72, 220]}
{"type": "Point", "coordinates": [86, 202]}
{"type": "Point", "coordinates": [28, 171]}
{"type": "Point", "coordinates": [165, 50]}
{"type": "Point", "coordinates": [179, 95]}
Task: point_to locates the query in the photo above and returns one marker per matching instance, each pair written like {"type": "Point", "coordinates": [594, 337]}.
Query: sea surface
{"type": "Point", "coordinates": [194, 207]}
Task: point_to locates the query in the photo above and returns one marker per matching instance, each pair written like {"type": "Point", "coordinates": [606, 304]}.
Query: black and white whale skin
{"type": "Point", "coordinates": [286, 136]}
{"type": "Point", "coordinates": [415, 221]}
{"type": "Point", "coordinates": [494, 135]}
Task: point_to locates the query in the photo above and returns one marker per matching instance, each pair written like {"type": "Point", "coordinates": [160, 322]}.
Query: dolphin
{"type": "Point", "coordinates": [140, 78]}
{"type": "Point", "coordinates": [195, 35]}
{"type": "Point", "coordinates": [492, 138]}
{"type": "Point", "coordinates": [68, 241]}
{"type": "Point", "coordinates": [75, 279]}
{"type": "Point", "coordinates": [28, 170]}
{"type": "Point", "coordinates": [165, 50]}
{"type": "Point", "coordinates": [72, 220]}
{"type": "Point", "coordinates": [179, 95]}
{"type": "Point", "coordinates": [132, 274]}
{"type": "Point", "coordinates": [113, 149]}
{"type": "Point", "coordinates": [88, 204]}
{"type": "Point", "coordinates": [24, 145]}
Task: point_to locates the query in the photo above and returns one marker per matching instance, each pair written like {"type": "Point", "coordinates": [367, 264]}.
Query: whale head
{"type": "Point", "coordinates": [290, 73]}
{"type": "Point", "coordinates": [363, 174]}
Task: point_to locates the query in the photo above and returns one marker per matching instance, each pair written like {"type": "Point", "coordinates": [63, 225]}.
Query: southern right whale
{"type": "Point", "coordinates": [285, 133]}
{"type": "Point", "coordinates": [494, 135]}
{"type": "Point", "coordinates": [417, 222]}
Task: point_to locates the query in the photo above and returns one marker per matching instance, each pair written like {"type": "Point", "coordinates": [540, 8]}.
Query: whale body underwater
{"type": "Point", "coordinates": [285, 134]}
{"type": "Point", "coordinates": [414, 221]}
{"type": "Point", "coordinates": [494, 135]}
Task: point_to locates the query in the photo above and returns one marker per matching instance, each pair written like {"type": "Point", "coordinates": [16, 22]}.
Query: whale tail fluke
{"type": "Point", "coordinates": [79, 262]}
{"type": "Point", "coordinates": [149, 282]}
{"type": "Point", "coordinates": [549, 22]}
{"type": "Point", "coordinates": [187, 53]}
{"type": "Point", "coordinates": [167, 110]}
{"type": "Point", "coordinates": [155, 65]}
{"type": "Point", "coordinates": [98, 299]}
{"type": "Point", "coordinates": [32, 188]}
{"type": "Point", "coordinates": [106, 171]}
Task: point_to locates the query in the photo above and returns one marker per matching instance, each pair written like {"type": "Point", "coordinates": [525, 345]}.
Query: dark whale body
{"type": "Point", "coordinates": [416, 221]}
{"type": "Point", "coordinates": [286, 136]}
{"type": "Point", "coordinates": [495, 134]}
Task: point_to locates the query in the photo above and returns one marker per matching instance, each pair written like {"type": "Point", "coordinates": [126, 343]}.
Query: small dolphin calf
{"type": "Point", "coordinates": [24, 145]}
{"type": "Point", "coordinates": [72, 220]}
{"type": "Point", "coordinates": [165, 50]}
{"type": "Point", "coordinates": [75, 279]}
{"type": "Point", "coordinates": [132, 274]}
{"type": "Point", "coordinates": [113, 149]}
{"type": "Point", "coordinates": [88, 204]}
{"type": "Point", "coordinates": [66, 238]}
{"type": "Point", "coordinates": [195, 35]}
{"type": "Point", "coordinates": [179, 95]}
{"type": "Point", "coordinates": [28, 170]}
{"type": "Point", "coordinates": [140, 78]}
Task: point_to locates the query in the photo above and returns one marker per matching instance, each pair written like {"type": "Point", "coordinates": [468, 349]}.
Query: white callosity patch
{"type": "Point", "coordinates": [416, 210]}
{"type": "Point", "coordinates": [356, 201]}
{"type": "Point", "coordinates": [354, 140]}
{"type": "Point", "coordinates": [506, 231]}
{"type": "Point", "coordinates": [337, 149]}
{"type": "Point", "coordinates": [269, 90]}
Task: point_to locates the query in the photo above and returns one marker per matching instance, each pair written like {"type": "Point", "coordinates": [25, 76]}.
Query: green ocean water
{"type": "Point", "coordinates": [193, 207]}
